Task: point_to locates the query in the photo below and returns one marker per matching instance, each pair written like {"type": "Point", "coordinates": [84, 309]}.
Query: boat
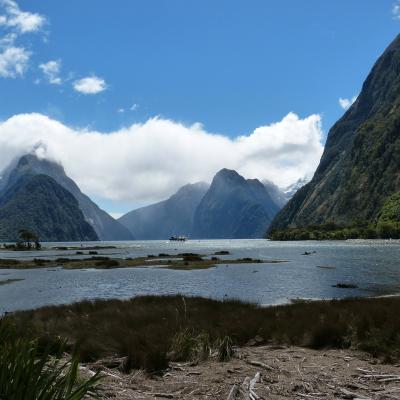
{"type": "Point", "coordinates": [178, 238]}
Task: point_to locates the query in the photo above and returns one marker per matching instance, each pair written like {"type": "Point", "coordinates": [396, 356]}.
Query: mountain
{"type": "Point", "coordinates": [359, 172]}
{"type": "Point", "coordinates": [234, 207]}
{"type": "Point", "coordinates": [170, 217]}
{"type": "Point", "coordinates": [106, 227]}
{"type": "Point", "coordinates": [39, 204]}
{"type": "Point", "coordinates": [282, 196]}
{"type": "Point", "coordinates": [291, 190]}
{"type": "Point", "coordinates": [278, 196]}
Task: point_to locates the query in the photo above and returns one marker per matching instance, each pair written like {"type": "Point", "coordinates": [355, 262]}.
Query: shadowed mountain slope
{"type": "Point", "coordinates": [360, 168]}
{"type": "Point", "coordinates": [234, 208]}
{"type": "Point", "coordinates": [106, 227]}
{"type": "Point", "coordinates": [173, 216]}
{"type": "Point", "coordinates": [39, 204]}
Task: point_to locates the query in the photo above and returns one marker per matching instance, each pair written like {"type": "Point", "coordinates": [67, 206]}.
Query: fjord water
{"type": "Point", "coordinates": [374, 266]}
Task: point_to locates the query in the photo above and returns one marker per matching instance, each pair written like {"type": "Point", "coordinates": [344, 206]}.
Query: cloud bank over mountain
{"type": "Point", "coordinates": [147, 162]}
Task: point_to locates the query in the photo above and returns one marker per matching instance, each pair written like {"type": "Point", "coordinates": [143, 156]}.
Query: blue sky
{"type": "Point", "coordinates": [231, 65]}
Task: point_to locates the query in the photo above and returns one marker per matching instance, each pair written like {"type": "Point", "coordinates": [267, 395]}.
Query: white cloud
{"type": "Point", "coordinates": [51, 71]}
{"type": "Point", "coordinates": [13, 62]}
{"type": "Point", "coordinates": [396, 10]}
{"type": "Point", "coordinates": [134, 107]}
{"type": "Point", "coordinates": [149, 161]}
{"type": "Point", "coordinates": [90, 85]}
{"type": "Point", "coordinates": [121, 110]}
{"type": "Point", "coordinates": [14, 59]}
{"type": "Point", "coordinates": [346, 103]}
{"type": "Point", "coordinates": [7, 40]}
{"type": "Point", "coordinates": [22, 21]}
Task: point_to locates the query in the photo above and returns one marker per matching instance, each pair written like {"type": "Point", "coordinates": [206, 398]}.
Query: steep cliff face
{"type": "Point", "coordinates": [360, 167]}
{"type": "Point", "coordinates": [39, 204]}
{"type": "Point", "coordinates": [234, 208]}
{"type": "Point", "coordinates": [173, 216]}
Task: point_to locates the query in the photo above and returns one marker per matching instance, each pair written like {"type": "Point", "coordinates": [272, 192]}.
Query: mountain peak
{"type": "Point", "coordinates": [234, 207]}
{"type": "Point", "coordinates": [227, 173]}
{"type": "Point", "coordinates": [25, 205]}
{"type": "Point", "coordinates": [32, 158]}
{"type": "Point", "coordinates": [31, 164]}
{"type": "Point", "coordinates": [191, 187]}
{"type": "Point", "coordinates": [227, 176]}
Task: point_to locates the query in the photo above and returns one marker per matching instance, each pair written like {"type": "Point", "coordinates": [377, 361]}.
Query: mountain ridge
{"type": "Point", "coordinates": [359, 168]}
{"type": "Point", "coordinates": [36, 202]}
{"type": "Point", "coordinates": [106, 227]}
{"type": "Point", "coordinates": [233, 207]}
{"type": "Point", "coordinates": [256, 201]}
{"type": "Point", "coordinates": [173, 216]}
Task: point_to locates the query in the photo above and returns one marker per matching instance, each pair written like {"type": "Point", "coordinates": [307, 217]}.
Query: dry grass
{"type": "Point", "coordinates": [151, 330]}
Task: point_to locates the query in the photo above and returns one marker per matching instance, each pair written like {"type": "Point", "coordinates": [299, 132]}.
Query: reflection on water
{"type": "Point", "coordinates": [374, 266]}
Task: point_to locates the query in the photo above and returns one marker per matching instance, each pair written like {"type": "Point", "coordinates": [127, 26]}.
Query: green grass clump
{"type": "Point", "coordinates": [186, 345]}
{"type": "Point", "coordinates": [26, 373]}
{"type": "Point", "coordinates": [225, 349]}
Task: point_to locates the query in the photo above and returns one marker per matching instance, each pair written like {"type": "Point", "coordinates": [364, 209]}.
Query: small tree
{"type": "Point", "coordinates": [27, 237]}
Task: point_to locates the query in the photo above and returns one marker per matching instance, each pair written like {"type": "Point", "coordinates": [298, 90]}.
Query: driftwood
{"type": "Point", "coordinates": [346, 394]}
{"type": "Point", "coordinates": [252, 394]}
{"type": "Point", "coordinates": [163, 395]}
{"type": "Point", "coordinates": [382, 377]}
{"type": "Point", "coordinates": [259, 364]}
{"type": "Point", "coordinates": [234, 392]}
{"type": "Point", "coordinates": [91, 373]}
{"type": "Point", "coordinates": [87, 371]}
{"type": "Point", "coordinates": [246, 390]}
{"type": "Point", "coordinates": [291, 373]}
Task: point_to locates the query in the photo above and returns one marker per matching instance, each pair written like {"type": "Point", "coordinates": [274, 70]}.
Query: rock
{"type": "Point", "coordinates": [345, 286]}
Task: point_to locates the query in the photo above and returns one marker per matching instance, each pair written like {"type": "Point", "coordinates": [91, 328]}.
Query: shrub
{"type": "Point", "coordinates": [40, 262]}
{"type": "Point", "coordinates": [191, 257]}
{"type": "Point", "coordinates": [107, 263]}
{"type": "Point", "coordinates": [62, 260]}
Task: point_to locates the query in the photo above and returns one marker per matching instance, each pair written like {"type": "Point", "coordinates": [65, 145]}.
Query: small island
{"type": "Point", "coordinates": [180, 261]}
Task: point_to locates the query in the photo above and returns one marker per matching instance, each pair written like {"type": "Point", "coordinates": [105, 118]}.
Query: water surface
{"type": "Point", "coordinates": [374, 266]}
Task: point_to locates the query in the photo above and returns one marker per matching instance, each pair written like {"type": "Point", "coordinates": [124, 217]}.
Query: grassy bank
{"type": "Point", "coordinates": [150, 331]}
{"type": "Point", "coordinates": [332, 231]}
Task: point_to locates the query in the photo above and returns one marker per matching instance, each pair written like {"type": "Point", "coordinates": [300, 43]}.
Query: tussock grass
{"type": "Point", "coordinates": [28, 373]}
{"type": "Point", "coordinates": [225, 349]}
{"type": "Point", "coordinates": [151, 330]}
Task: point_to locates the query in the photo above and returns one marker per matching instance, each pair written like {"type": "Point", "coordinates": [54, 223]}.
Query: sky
{"type": "Point", "coordinates": [137, 98]}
